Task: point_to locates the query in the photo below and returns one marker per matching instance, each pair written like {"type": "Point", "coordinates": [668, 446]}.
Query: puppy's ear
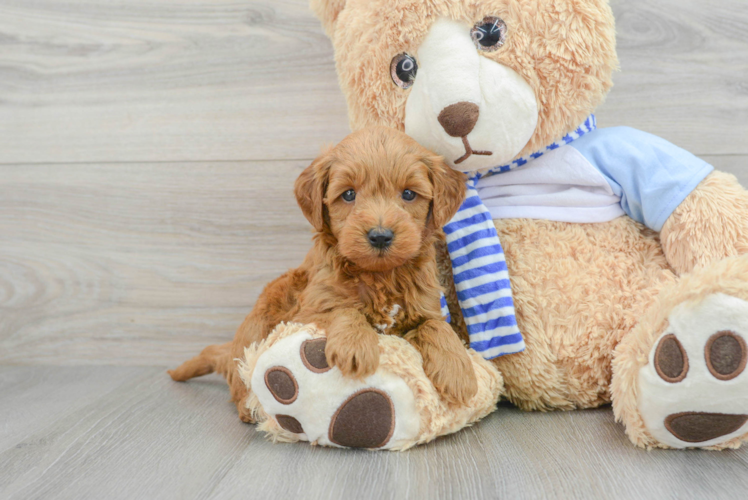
{"type": "Point", "coordinates": [449, 190]}
{"type": "Point", "coordinates": [310, 188]}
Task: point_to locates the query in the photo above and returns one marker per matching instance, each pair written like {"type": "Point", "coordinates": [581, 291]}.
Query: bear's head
{"type": "Point", "coordinates": [496, 78]}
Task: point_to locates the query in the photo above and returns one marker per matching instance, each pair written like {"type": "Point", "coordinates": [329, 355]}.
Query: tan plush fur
{"type": "Point", "coordinates": [579, 289]}
{"type": "Point", "coordinates": [352, 289]}
{"type": "Point", "coordinates": [709, 225]}
{"type": "Point", "coordinates": [437, 417]}
{"type": "Point", "coordinates": [590, 298]}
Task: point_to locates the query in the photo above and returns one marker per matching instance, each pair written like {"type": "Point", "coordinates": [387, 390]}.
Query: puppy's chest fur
{"type": "Point", "coordinates": [387, 318]}
{"type": "Point", "coordinates": [393, 303]}
{"type": "Point", "coordinates": [390, 312]}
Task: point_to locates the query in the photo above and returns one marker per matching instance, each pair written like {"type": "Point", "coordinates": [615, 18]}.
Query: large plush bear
{"type": "Point", "coordinates": [626, 254]}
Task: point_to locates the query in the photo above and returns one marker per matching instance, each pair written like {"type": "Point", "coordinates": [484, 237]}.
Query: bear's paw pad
{"type": "Point", "coordinates": [282, 384]}
{"type": "Point", "coordinates": [364, 420]}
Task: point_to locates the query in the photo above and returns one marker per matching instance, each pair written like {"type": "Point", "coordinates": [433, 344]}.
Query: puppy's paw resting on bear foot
{"type": "Point", "coordinates": [452, 376]}
{"type": "Point", "coordinates": [297, 395]}
{"type": "Point", "coordinates": [445, 361]}
{"type": "Point", "coordinates": [355, 354]}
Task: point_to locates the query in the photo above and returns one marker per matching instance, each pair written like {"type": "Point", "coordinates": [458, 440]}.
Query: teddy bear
{"type": "Point", "coordinates": [618, 260]}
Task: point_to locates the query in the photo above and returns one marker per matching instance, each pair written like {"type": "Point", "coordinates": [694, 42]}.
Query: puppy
{"type": "Point", "coordinates": [377, 202]}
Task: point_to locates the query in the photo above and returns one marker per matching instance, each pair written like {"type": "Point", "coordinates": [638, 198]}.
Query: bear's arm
{"type": "Point", "coordinates": [650, 175]}
{"type": "Point", "coordinates": [702, 215]}
{"type": "Point", "coordinates": [709, 225]}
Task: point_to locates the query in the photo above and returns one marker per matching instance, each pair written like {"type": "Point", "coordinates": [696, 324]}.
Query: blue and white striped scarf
{"type": "Point", "coordinates": [479, 268]}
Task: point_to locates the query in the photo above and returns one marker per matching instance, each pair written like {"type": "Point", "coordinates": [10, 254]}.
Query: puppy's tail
{"type": "Point", "coordinates": [214, 358]}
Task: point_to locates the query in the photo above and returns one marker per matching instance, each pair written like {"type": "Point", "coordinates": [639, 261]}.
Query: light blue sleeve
{"type": "Point", "coordinates": [651, 175]}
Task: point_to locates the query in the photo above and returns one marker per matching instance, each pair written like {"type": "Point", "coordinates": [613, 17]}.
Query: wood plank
{"type": "Point", "coordinates": [153, 438]}
{"type": "Point", "coordinates": [187, 80]}
{"type": "Point", "coordinates": [510, 454]}
{"type": "Point", "coordinates": [139, 264]}
{"type": "Point", "coordinates": [683, 73]}
{"type": "Point", "coordinates": [34, 397]}
{"type": "Point", "coordinates": [174, 80]}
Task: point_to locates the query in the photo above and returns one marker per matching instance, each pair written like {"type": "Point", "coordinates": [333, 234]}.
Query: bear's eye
{"type": "Point", "coordinates": [349, 195]}
{"type": "Point", "coordinates": [489, 34]}
{"type": "Point", "coordinates": [409, 195]}
{"type": "Point", "coordinates": [403, 69]}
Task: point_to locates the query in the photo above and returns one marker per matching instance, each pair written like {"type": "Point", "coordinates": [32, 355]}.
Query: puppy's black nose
{"type": "Point", "coordinates": [380, 238]}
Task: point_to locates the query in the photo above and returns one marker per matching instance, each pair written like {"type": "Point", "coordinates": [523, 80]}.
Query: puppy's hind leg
{"type": "Point", "coordinates": [445, 360]}
{"type": "Point", "coordinates": [213, 358]}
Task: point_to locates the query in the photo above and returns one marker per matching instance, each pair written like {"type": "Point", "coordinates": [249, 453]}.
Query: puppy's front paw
{"type": "Point", "coordinates": [355, 356]}
{"type": "Point", "coordinates": [453, 376]}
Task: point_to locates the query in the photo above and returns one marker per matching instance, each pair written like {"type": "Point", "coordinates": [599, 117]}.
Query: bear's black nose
{"type": "Point", "coordinates": [459, 119]}
{"type": "Point", "coordinates": [380, 238]}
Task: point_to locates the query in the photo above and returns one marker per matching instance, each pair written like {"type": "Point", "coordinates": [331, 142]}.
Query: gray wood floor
{"type": "Point", "coordinates": [129, 432]}
{"type": "Point", "coordinates": [147, 154]}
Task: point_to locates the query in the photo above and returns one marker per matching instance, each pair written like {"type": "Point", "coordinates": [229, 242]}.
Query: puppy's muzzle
{"type": "Point", "coordinates": [380, 238]}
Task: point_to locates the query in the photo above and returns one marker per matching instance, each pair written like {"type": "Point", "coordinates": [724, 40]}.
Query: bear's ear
{"type": "Point", "coordinates": [327, 11]}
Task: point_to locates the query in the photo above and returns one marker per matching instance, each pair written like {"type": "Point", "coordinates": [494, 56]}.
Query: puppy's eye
{"type": "Point", "coordinates": [349, 195]}
{"type": "Point", "coordinates": [409, 195]}
{"type": "Point", "coordinates": [489, 34]}
{"type": "Point", "coordinates": [403, 69]}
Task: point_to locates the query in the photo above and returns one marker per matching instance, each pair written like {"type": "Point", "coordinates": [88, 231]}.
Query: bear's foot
{"type": "Point", "coordinates": [694, 389]}
{"type": "Point", "coordinates": [680, 378]}
{"type": "Point", "coordinates": [296, 395]}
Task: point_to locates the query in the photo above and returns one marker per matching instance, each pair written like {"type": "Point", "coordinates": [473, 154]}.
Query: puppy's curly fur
{"type": "Point", "coordinates": [348, 286]}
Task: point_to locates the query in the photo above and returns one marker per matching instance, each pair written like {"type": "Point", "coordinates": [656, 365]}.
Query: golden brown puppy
{"type": "Point", "coordinates": [377, 202]}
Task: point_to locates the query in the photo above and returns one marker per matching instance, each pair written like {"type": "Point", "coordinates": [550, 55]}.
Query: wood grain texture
{"type": "Point", "coordinates": [33, 398]}
{"type": "Point", "coordinates": [172, 80]}
{"type": "Point", "coordinates": [684, 73]}
{"type": "Point", "coordinates": [187, 80]}
{"type": "Point", "coordinates": [139, 264]}
{"type": "Point", "coordinates": [153, 438]}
